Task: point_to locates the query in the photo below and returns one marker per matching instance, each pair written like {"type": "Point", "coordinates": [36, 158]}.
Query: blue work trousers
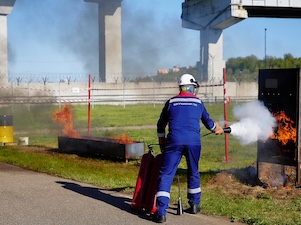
{"type": "Point", "coordinates": [171, 158]}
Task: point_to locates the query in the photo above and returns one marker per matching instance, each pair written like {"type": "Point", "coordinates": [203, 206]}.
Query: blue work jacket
{"type": "Point", "coordinates": [183, 114]}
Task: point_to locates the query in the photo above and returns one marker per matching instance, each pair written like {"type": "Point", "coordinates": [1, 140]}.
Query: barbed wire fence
{"type": "Point", "coordinates": [64, 89]}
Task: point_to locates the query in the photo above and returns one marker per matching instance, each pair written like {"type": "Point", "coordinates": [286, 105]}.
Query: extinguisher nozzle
{"type": "Point", "coordinates": [227, 130]}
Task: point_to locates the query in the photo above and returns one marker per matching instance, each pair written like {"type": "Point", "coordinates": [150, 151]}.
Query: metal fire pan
{"type": "Point", "coordinates": [102, 147]}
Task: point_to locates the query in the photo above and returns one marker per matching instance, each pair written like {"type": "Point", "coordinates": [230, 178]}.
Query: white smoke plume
{"type": "Point", "coordinates": [255, 122]}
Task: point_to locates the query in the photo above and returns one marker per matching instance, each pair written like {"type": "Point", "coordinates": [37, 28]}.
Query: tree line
{"type": "Point", "coordinates": [245, 69]}
{"type": "Point", "coordinates": [240, 69]}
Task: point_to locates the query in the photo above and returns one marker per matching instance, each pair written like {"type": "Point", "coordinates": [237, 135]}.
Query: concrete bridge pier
{"type": "Point", "coordinates": [210, 17]}
{"type": "Point", "coordinates": [211, 56]}
{"type": "Point", "coordinates": [6, 7]}
{"type": "Point", "coordinates": [110, 49]}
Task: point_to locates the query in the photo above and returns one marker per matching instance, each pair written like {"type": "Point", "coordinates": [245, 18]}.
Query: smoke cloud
{"type": "Point", "coordinates": [152, 36]}
{"type": "Point", "coordinates": [255, 122]}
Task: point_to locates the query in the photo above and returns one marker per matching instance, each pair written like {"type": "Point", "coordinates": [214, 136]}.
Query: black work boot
{"type": "Point", "coordinates": [194, 209]}
{"type": "Point", "coordinates": [158, 219]}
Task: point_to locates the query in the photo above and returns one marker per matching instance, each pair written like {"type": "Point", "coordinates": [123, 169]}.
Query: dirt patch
{"type": "Point", "coordinates": [244, 182]}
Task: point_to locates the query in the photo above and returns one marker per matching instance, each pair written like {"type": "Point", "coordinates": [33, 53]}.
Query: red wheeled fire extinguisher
{"type": "Point", "coordinates": [144, 199]}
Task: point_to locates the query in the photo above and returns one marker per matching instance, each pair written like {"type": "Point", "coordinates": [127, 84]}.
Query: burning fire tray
{"type": "Point", "coordinates": [105, 147]}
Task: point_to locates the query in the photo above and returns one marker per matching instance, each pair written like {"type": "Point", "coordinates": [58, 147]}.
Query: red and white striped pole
{"type": "Point", "coordinates": [226, 117]}
{"type": "Point", "coordinates": [89, 105]}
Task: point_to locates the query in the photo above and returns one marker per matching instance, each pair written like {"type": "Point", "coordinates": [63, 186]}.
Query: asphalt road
{"type": "Point", "coordinates": [32, 198]}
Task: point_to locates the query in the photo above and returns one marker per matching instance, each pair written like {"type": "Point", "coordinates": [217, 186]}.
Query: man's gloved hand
{"type": "Point", "coordinates": [162, 142]}
{"type": "Point", "coordinates": [218, 129]}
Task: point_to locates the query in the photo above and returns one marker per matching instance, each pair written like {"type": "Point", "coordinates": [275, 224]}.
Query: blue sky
{"type": "Point", "coordinates": [60, 37]}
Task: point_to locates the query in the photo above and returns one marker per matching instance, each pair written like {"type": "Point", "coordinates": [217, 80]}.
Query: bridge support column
{"type": "Point", "coordinates": [110, 49]}
{"type": "Point", "coordinates": [211, 62]}
{"type": "Point", "coordinates": [210, 17]}
{"type": "Point", "coordinates": [5, 9]}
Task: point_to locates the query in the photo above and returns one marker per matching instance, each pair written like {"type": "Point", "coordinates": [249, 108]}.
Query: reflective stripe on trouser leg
{"type": "Point", "coordinates": [194, 190]}
{"type": "Point", "coordinates": [194, 196]}
{"type": "Point", "coordinates": [163, 199]}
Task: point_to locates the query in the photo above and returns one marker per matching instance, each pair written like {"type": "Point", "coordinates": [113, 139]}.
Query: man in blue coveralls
{"type": "Point", "coordinates": [182, 114]}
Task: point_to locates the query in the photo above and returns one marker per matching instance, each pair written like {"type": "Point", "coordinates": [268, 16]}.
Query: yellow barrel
{"type": "Point", "coordinates": [6, 129]}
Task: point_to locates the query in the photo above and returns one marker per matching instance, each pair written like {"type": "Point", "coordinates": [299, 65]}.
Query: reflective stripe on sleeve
{"type": "Point", "coordinates": [161, 134]}
{"type": "Point", "coordinates": [194, 190]}
{"type": "Point", "coordinates": [213, 128]}
{"type": "Point", "coordinates": [163, 194]}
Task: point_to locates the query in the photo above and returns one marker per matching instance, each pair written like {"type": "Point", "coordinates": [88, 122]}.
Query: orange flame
{"type": "Point", "coordinates": [286, 187]}
{"type": "Point", "coordinates": [64, 117]}
{"type": "Point", "coordinates": [285, 131]}
{"type": "Point", "coordinates": [124, 139]}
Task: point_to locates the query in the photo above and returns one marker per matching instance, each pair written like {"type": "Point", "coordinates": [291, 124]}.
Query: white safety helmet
{"type": "Point", "coordinates": [188, 83]}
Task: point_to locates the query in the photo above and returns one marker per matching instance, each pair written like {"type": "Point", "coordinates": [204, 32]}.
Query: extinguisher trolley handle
{"type": "Point", "coordinates": [151, 147]}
